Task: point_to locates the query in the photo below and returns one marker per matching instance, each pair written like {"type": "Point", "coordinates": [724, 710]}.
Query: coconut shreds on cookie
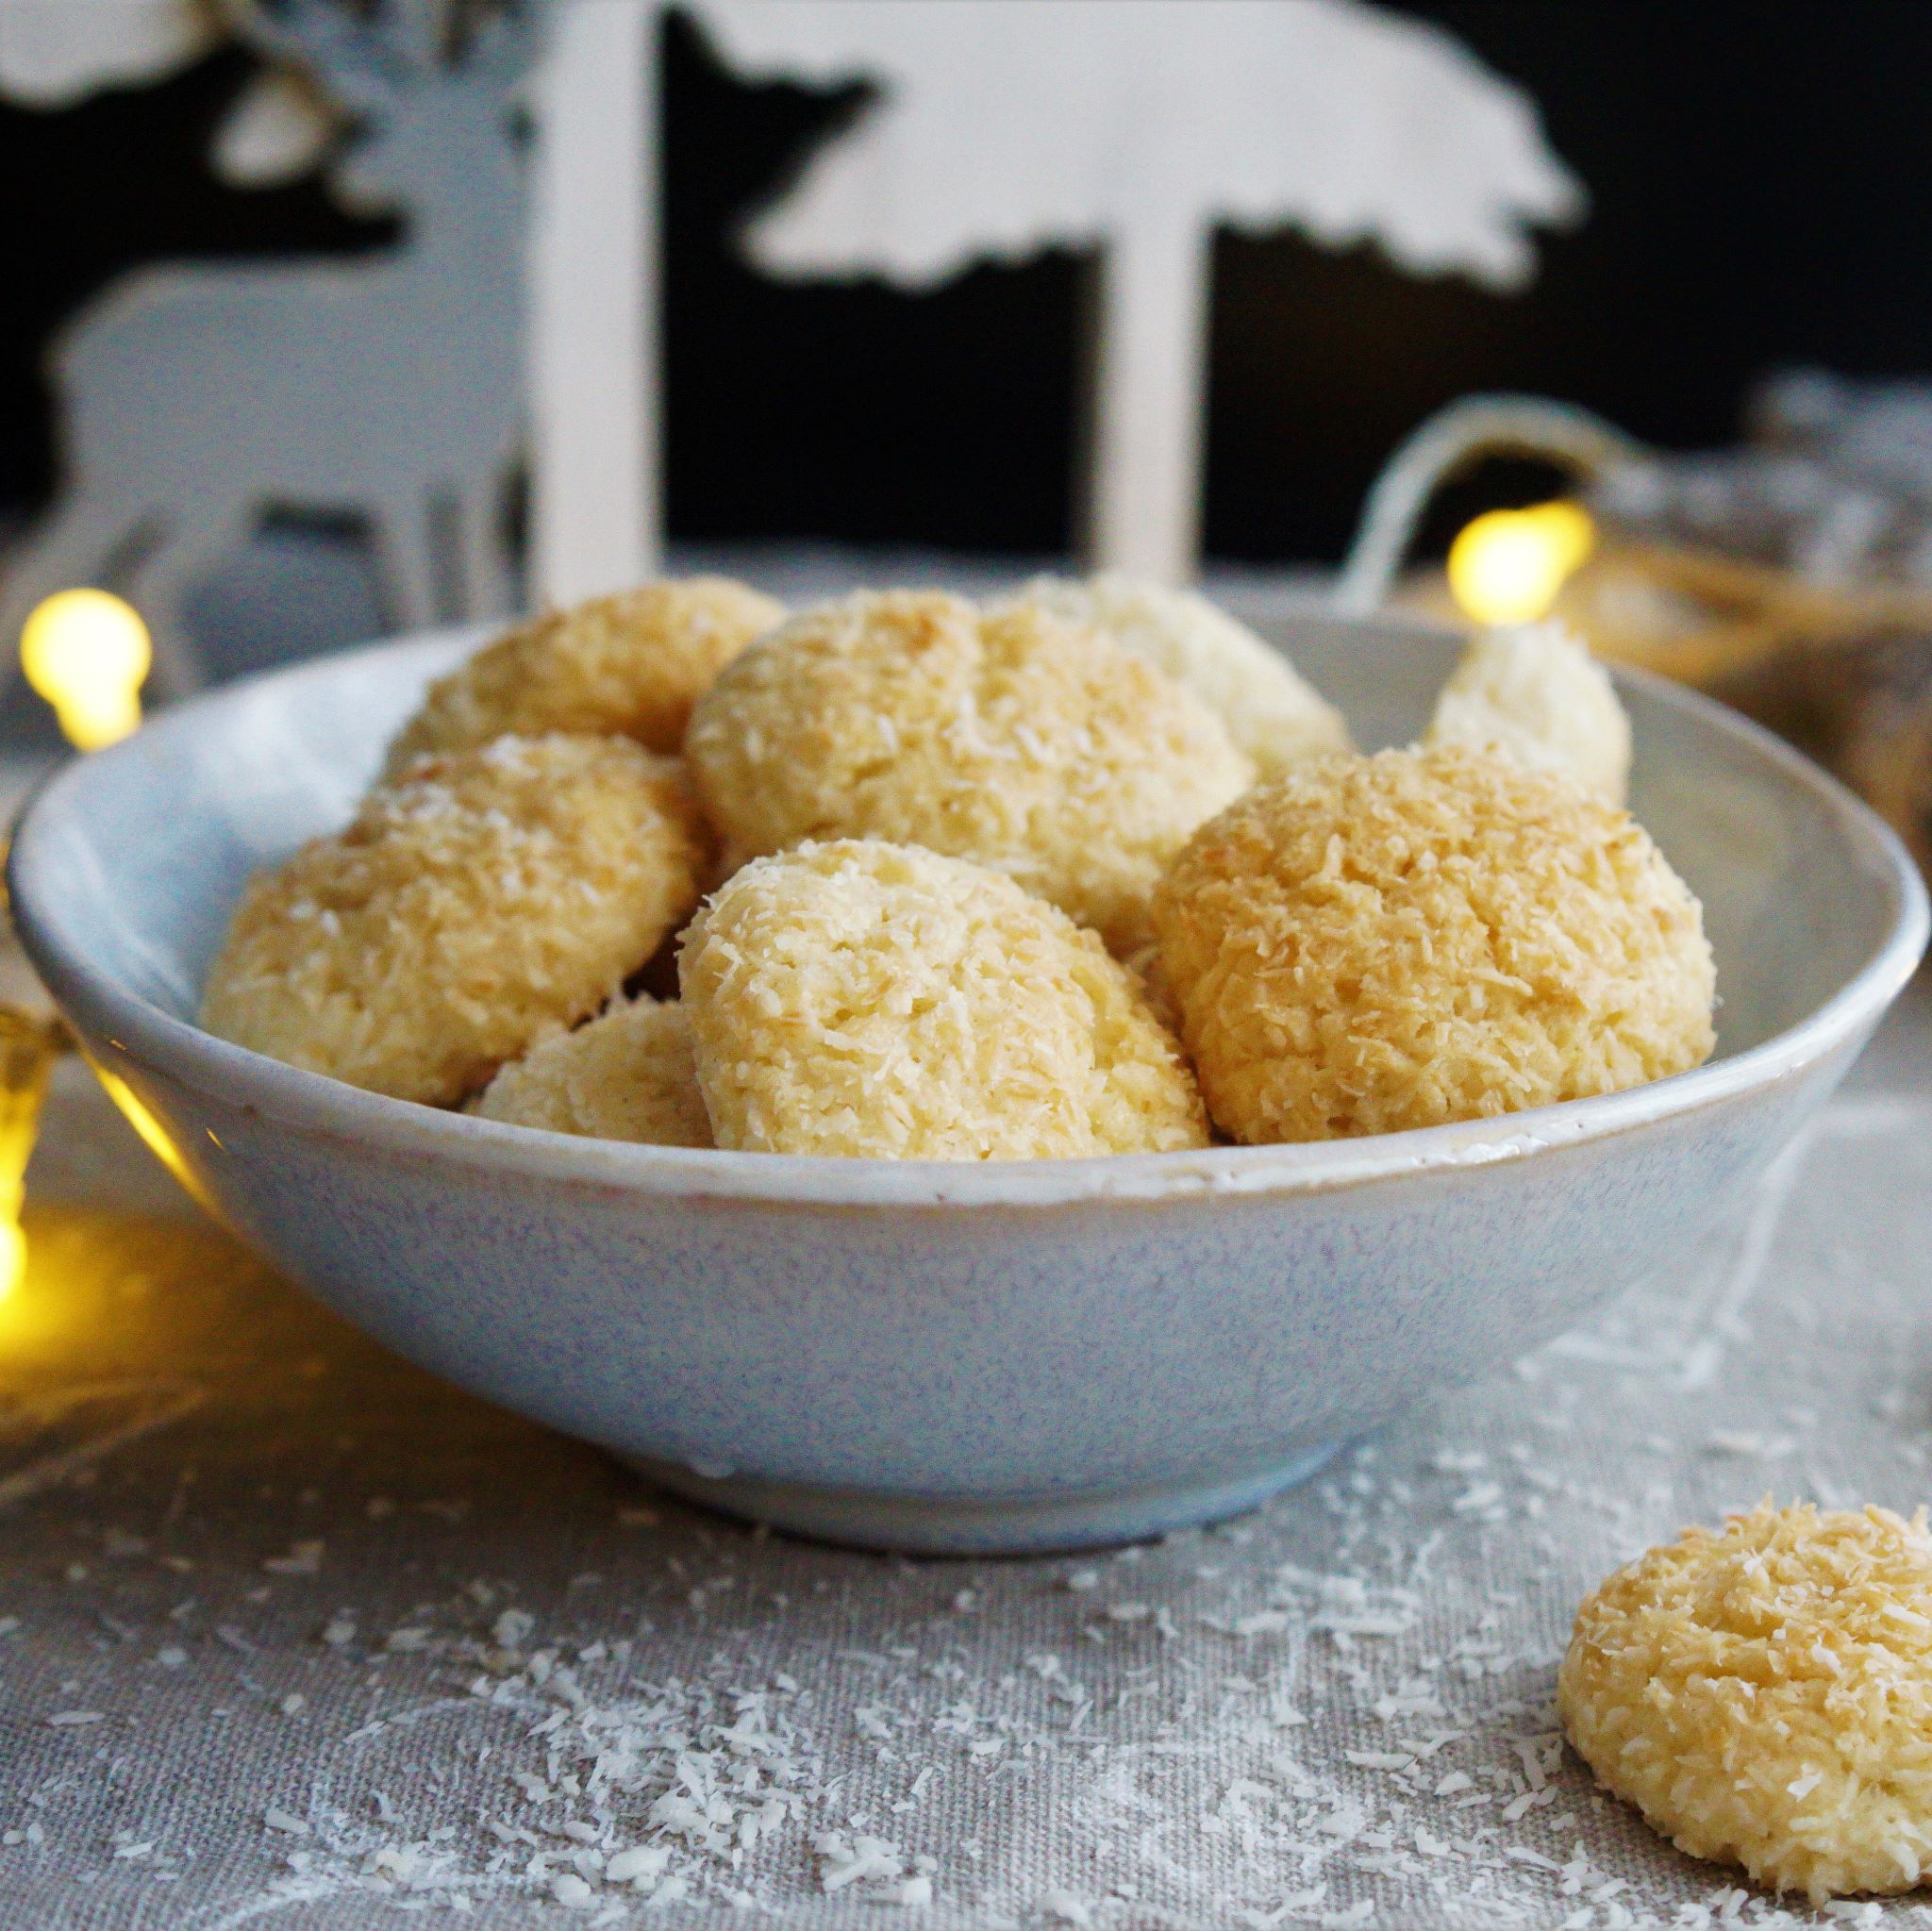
{"type": "Point", "coordinates": [862, 998]}
{"type": "Point", "coordinates": [1016, 739]}
{"type": "Point", "coordinates": [1271, 712]}
{"type": "Point", "coordinates": [630, 665]}
{"type": "Point", "coordinates": [1763, 1695]}
{"type": "Point", "coordinates": [626, 1075]}
{"type": "Point", "coordinates": [481, 901]}
{"type": "Point", "coordinates": [1368, 944]}
{"type": "Point", "coordinates": [1532, 693]}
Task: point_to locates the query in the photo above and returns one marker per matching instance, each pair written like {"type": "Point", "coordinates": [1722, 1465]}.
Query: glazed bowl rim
{"type": "Point", "coordinates": [315, 1104]}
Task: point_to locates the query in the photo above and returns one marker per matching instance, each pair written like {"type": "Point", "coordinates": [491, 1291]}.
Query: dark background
{"type": "Point", "coordinates": [1760, 178]}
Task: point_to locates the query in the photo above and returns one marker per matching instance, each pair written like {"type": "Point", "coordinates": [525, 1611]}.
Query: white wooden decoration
{"type": "Point", "coordinates": [1138, 129]}
{"type": "Point", "coordinates": [195, 397]}
{"type": "Point", "coordinates": [192, 397]}
{"type": "Point", "coordinates": [595, 351]}
{"type": "Point", "coordinates": [54, 53]}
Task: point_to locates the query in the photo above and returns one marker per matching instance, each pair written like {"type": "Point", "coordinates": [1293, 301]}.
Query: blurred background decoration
{"type": "Point", "coordinates": [1508, 566]}
{"type": "Point", "coordinates": [1133, 134]}
{"type": "Point", "coordinates": [1790, 576]}
{"type": "Point", "coordinates": [196, 398]}
{"type": "Point", "coordinates": [30, 1043]}
{"type": "Point", "coordinates": [53, 54]}
{"type": "Point", "coordinates": [193, 400]}
{"type": "Point", "coordinates": [334, 316]}
{"type": "Point", "coordinates": [88, 653]}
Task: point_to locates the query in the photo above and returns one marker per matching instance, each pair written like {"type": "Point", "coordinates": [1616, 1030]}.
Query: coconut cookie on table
{"type": "Point", "coordinates": [1014, 738]}
{"type": "Point", "coordinates": [862, 998]}
{"type": "Point", "coordinates": [469, 907]}
{"type": "Point", "coordinates": [1763, 1696]}
{"type": "Point", "coordinates": [1368, 944]}
{"type": "Point", "coordinates": [630, 665]}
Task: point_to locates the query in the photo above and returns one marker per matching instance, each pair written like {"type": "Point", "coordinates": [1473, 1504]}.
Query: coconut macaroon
{"type": "Point", "coordinates": [862, 998]}
{"type": "Point", "coordinates": [626, 1075]}
{"type": "Point", "coordinates": [1532, 693]}
{"type": "Point", "coordinates": [630, 665]}
{"type": "Point", "coordinates": [1014, 738]}
{"type": "Point", "coordinates": [1372, 944]}
{"type": "Point", "coordinates": [480, 902]}
{"type": "Point", "coordinates": [1764, 1695]}
{"type": "Point", "coordinates": [1270, 712]}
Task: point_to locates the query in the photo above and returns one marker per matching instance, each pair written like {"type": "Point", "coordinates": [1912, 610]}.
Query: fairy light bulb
{"type": "Point", "coordinates": [1508, 566]}
{"type": "Point", "coordinates": [87, 653]}
{"type": "Point", "coordinates": [27, 1047]}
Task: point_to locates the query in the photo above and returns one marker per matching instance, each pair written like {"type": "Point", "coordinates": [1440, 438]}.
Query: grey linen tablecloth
{"type": "Point", "coordinates": [295, 1635]}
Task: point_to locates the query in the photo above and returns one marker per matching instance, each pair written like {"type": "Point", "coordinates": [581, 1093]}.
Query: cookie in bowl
{"type": "Point", "coordinates": [1014, 738]}
{"type": "Point", "coordinates": [630, 665]}
{"type": "Point", "coordinates": [480, 900]}
{"type": "Point", "coordinates": [626, 1075]}
{"type": "Point", "coordinates": [860, 998]}
{"type": "Point", "coordinates": [1532, 691]}
{"type": "Point", "coordinates": [1273, 714]}
{"type": "Point", "coordinates": [1372, 944]}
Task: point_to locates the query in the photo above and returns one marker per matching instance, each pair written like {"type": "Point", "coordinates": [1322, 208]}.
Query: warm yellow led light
{"type": "Point", "coordinates": [87, 653]}
{"type": "Point", "coordinates": [1508, 566]}
{"type": "Point", "coordinates": [27, 1046]}
{"type": "Point", "coordinates": [12, 1258]}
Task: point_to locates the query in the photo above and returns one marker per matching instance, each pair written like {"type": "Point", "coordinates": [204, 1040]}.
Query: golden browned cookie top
{"type": "Point", "coordinates": [1367, 944]}
{"type": "Point", "coordinates": [485, 899]}
{"type": "Point", "coordinates": [865, 998]}
{"type": "Point", "coordinates": [631, 665]}
{"type": "Point", "coordinates": [1016, 739]}
{"type": "Point", "coordinates": [1764, 1695]}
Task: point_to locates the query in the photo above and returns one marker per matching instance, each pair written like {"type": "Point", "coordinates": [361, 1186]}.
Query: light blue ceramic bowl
{"type": "Point", "coordinates": [1016, 1355]}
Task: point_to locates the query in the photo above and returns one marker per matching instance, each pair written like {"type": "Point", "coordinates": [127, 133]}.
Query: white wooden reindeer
{"type": "Point", "coordinates": [193, 397]}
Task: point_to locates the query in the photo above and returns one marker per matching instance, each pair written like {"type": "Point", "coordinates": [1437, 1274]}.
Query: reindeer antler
{"type": "Point", "coordinates": [420, 31]}
{"type": "Point", "coordinates": [328, 38]}
{"type": "Point", "coordinates": [501, 42]}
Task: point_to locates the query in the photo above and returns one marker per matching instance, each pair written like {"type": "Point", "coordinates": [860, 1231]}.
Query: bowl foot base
{"type": "Point", "coordinates": [938, 1525]}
